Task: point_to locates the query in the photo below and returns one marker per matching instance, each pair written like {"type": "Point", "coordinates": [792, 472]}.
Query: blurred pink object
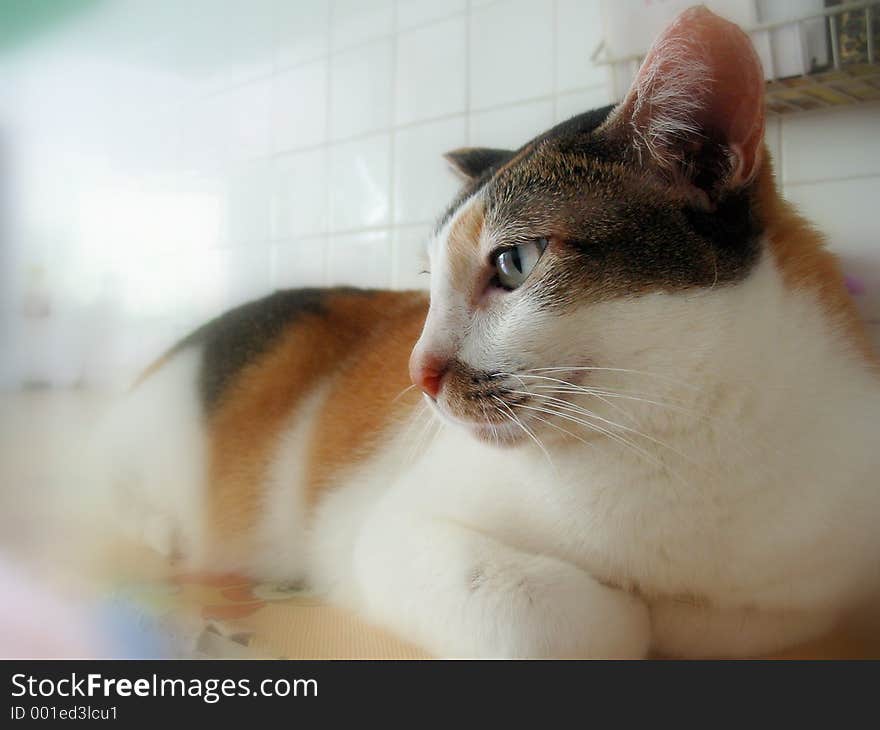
{"type": "Point", "coordinates": [855, 285]}
{"type": "Point", "coordinates": [39, 624]}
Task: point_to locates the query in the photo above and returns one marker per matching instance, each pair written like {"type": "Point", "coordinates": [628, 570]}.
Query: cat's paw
{"type": "Point", "coordinates": [537, 606]}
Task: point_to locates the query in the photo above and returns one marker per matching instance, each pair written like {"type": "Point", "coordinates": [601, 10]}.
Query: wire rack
{"type": "Point", "coordinates": [846, 72]}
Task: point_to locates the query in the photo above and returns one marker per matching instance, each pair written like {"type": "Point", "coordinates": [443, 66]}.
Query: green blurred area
{"type": "Point", "coordinates": [23, 21]}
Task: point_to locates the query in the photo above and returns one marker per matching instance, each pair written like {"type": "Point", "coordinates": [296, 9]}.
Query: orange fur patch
{"type": "Point", "coordinates": [361, 342]}
{"type": "Point", "coordinates": [464, 238]}
{"type": "Point", "coordinates": [805, 263]}
{"type": "Point", "coordinates": [364, 401]}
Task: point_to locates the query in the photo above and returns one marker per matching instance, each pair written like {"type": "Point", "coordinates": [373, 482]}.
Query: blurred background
{"type": "Point", "coordinates": [164, 160]}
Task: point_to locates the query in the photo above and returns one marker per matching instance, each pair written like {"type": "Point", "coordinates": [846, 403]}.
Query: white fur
{"type": "Point", "coordinates": [744, 522]}
{"type": "Point", "coordinates": [764, 507]}
{"type": "Point", "coordinates": [280, 551]}
{"type": "Point", "coordinates": [153, 446]}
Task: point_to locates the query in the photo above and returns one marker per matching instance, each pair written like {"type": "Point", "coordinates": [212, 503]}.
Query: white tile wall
{"type": "Point", "coordinates": [249, 198]}
{"type": "Point", "coordinates": [813, 150]}
{"type": "Point", "coordinates": [302, 32]}
{"type": "Point", "coordinates": [299, 106]}
{"type": "Point", "coordinates": [248, 271]}
{"type": "Point", "coordinates": [423, 184]}
{"type": "Point", "coordinates": [355, 21]}
{"type": "Point", "coordinates": [277, 143]}
{"type": "Point", "coordinates": [418, 12]}
{"type": "Point", "coordinates": [511, 126]}
{"type": "Point", "coordinates": [360, 259]}
{"type": "Point", "coordinates": [578, 34]}
{"type": "Point", "coordinates": [431, 71]}
{"type": "Point", "coordinates": [361, 89]}
{"type": "Point", "coordinates": [575, 102]}
{"type": "Point", "coordinates": [511, 52]}
{"type": "Point", "coordinates": [300, 262]}
{"type": "Point", "coordinates": [410, 251]}
{"type": "Point", "coordinates": [360, 177]}
{"type": "Point", "coordinates": [299, 202]}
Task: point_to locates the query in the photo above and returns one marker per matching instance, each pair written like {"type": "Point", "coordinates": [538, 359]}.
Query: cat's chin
{"type": "Point", "coordinates": [495, 434]}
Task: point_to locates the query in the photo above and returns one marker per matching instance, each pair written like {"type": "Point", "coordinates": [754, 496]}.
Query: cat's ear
{"type": "Point", "coordinates": [695, 112]}
{"type": "Point", "coordinates": [471, 162]}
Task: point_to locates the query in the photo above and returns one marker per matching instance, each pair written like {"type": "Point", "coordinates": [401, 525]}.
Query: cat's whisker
{"type": "Point", "coordinates": [584, 368]}
{"type": "Point", "coordinates": [412, 420]}
{"type": "Point", "coordinates": [596, 428]}
{"type": "Point", "coordinates": [438, 429]}
{"type": "Point", "coordinates": [402, 393]}
{"type": "Point", "coordinates": [531, 435]}
{"type": "Point", "coordinates": [423, 433]}
{"type": "Point", "coordinates": [614, 406]}
{"type": "Point", "coordinates": [602, 394]}
{"type": "Point", "coordinates": [562, 430]}
{"type": "Point", "coordinates": [732, 436]}
{"type": "Point", "coordinates": [610, 434]}
{"type": "Point", "coordinates": [560, 386]}
{"type": "Point", "coordinates": [489, 420]}
{"type": "Point", "coordinates": [594, 393]}
{"type": "Point", "coordinates": [605, 393]}
{"type": "Point", "coordinates": [415, 419]}
{"type": "Point", "coordinates": [571, 407]}
{"type": "Point", "coordinates": [600, 391]}
{"type": "Point", "coordinates": [563, 387]}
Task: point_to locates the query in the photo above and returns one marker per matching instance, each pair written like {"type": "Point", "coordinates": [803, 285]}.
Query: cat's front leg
{"type": "Point", "coordinates": [457, 592]}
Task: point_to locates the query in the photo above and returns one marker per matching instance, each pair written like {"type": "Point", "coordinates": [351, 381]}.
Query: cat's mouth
{"type": "Point", "coordinates": [491, 429]}
{"type": "Point", "coordinates": [491, 409]}
{"type": "Point", "coordinates": [503, 409]}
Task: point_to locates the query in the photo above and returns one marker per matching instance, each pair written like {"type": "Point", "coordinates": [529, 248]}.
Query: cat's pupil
{"type": "Point", "coordinates": [513, 265]}
{"type": "Point", "coordinates": [517, 261]}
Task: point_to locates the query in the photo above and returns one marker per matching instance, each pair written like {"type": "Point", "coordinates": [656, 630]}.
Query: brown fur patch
{"type": "Point", "coordinates": [464, 238]}
{"type": "Point", "coordinates": [351, 341]}
{"type": "Point", "coordinates": [805, 262]}
{"type": "Point", "coordinates": [368, 394]}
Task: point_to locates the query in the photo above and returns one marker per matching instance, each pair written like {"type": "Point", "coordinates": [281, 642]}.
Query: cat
{"type": "Point", "coordinates": [640, 413]}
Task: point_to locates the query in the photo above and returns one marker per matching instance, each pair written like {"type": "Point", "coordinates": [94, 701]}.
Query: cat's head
{"type": "Point", "coordinates": [593, 249]}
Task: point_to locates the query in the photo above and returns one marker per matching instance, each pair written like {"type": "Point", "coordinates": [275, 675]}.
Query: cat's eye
{"type": "Point", "coordinates": [514, 264]}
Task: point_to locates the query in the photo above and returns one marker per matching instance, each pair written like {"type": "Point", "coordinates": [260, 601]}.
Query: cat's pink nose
{"type": "Point", "coordinates": [426, 372]}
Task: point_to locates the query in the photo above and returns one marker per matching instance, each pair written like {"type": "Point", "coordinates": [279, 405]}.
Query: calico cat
{"type": "Point", "coordinates": [645, 416]}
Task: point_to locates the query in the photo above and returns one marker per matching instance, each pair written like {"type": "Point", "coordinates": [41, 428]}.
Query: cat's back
{"type": "Point", "coordinates": [208, 431]}
{"type": "Point", "coordinates": [306, 329]}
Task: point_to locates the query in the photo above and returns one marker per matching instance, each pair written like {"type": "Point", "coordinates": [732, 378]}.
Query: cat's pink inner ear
{"type": "Point", "coordinates": [701, 77]}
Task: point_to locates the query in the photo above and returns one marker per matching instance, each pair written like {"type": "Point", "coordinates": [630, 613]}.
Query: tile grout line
{"type": "Point", "coordinates": [393, 243]}
{"type": "Point", "coordinates": [826, 180]}
{"type": "Point", "coordinates": [555, 34]}
{"type": "Point", "coordinates": [468, 132]}
{"type": "Point", "coordinates": [309, 236]}
{"type": "Point", "coordinates": [358, 45]}
{"type": "Point", "coordinates": [325, 147]}
{"type": "Point", "coordinates": [468, 112]}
